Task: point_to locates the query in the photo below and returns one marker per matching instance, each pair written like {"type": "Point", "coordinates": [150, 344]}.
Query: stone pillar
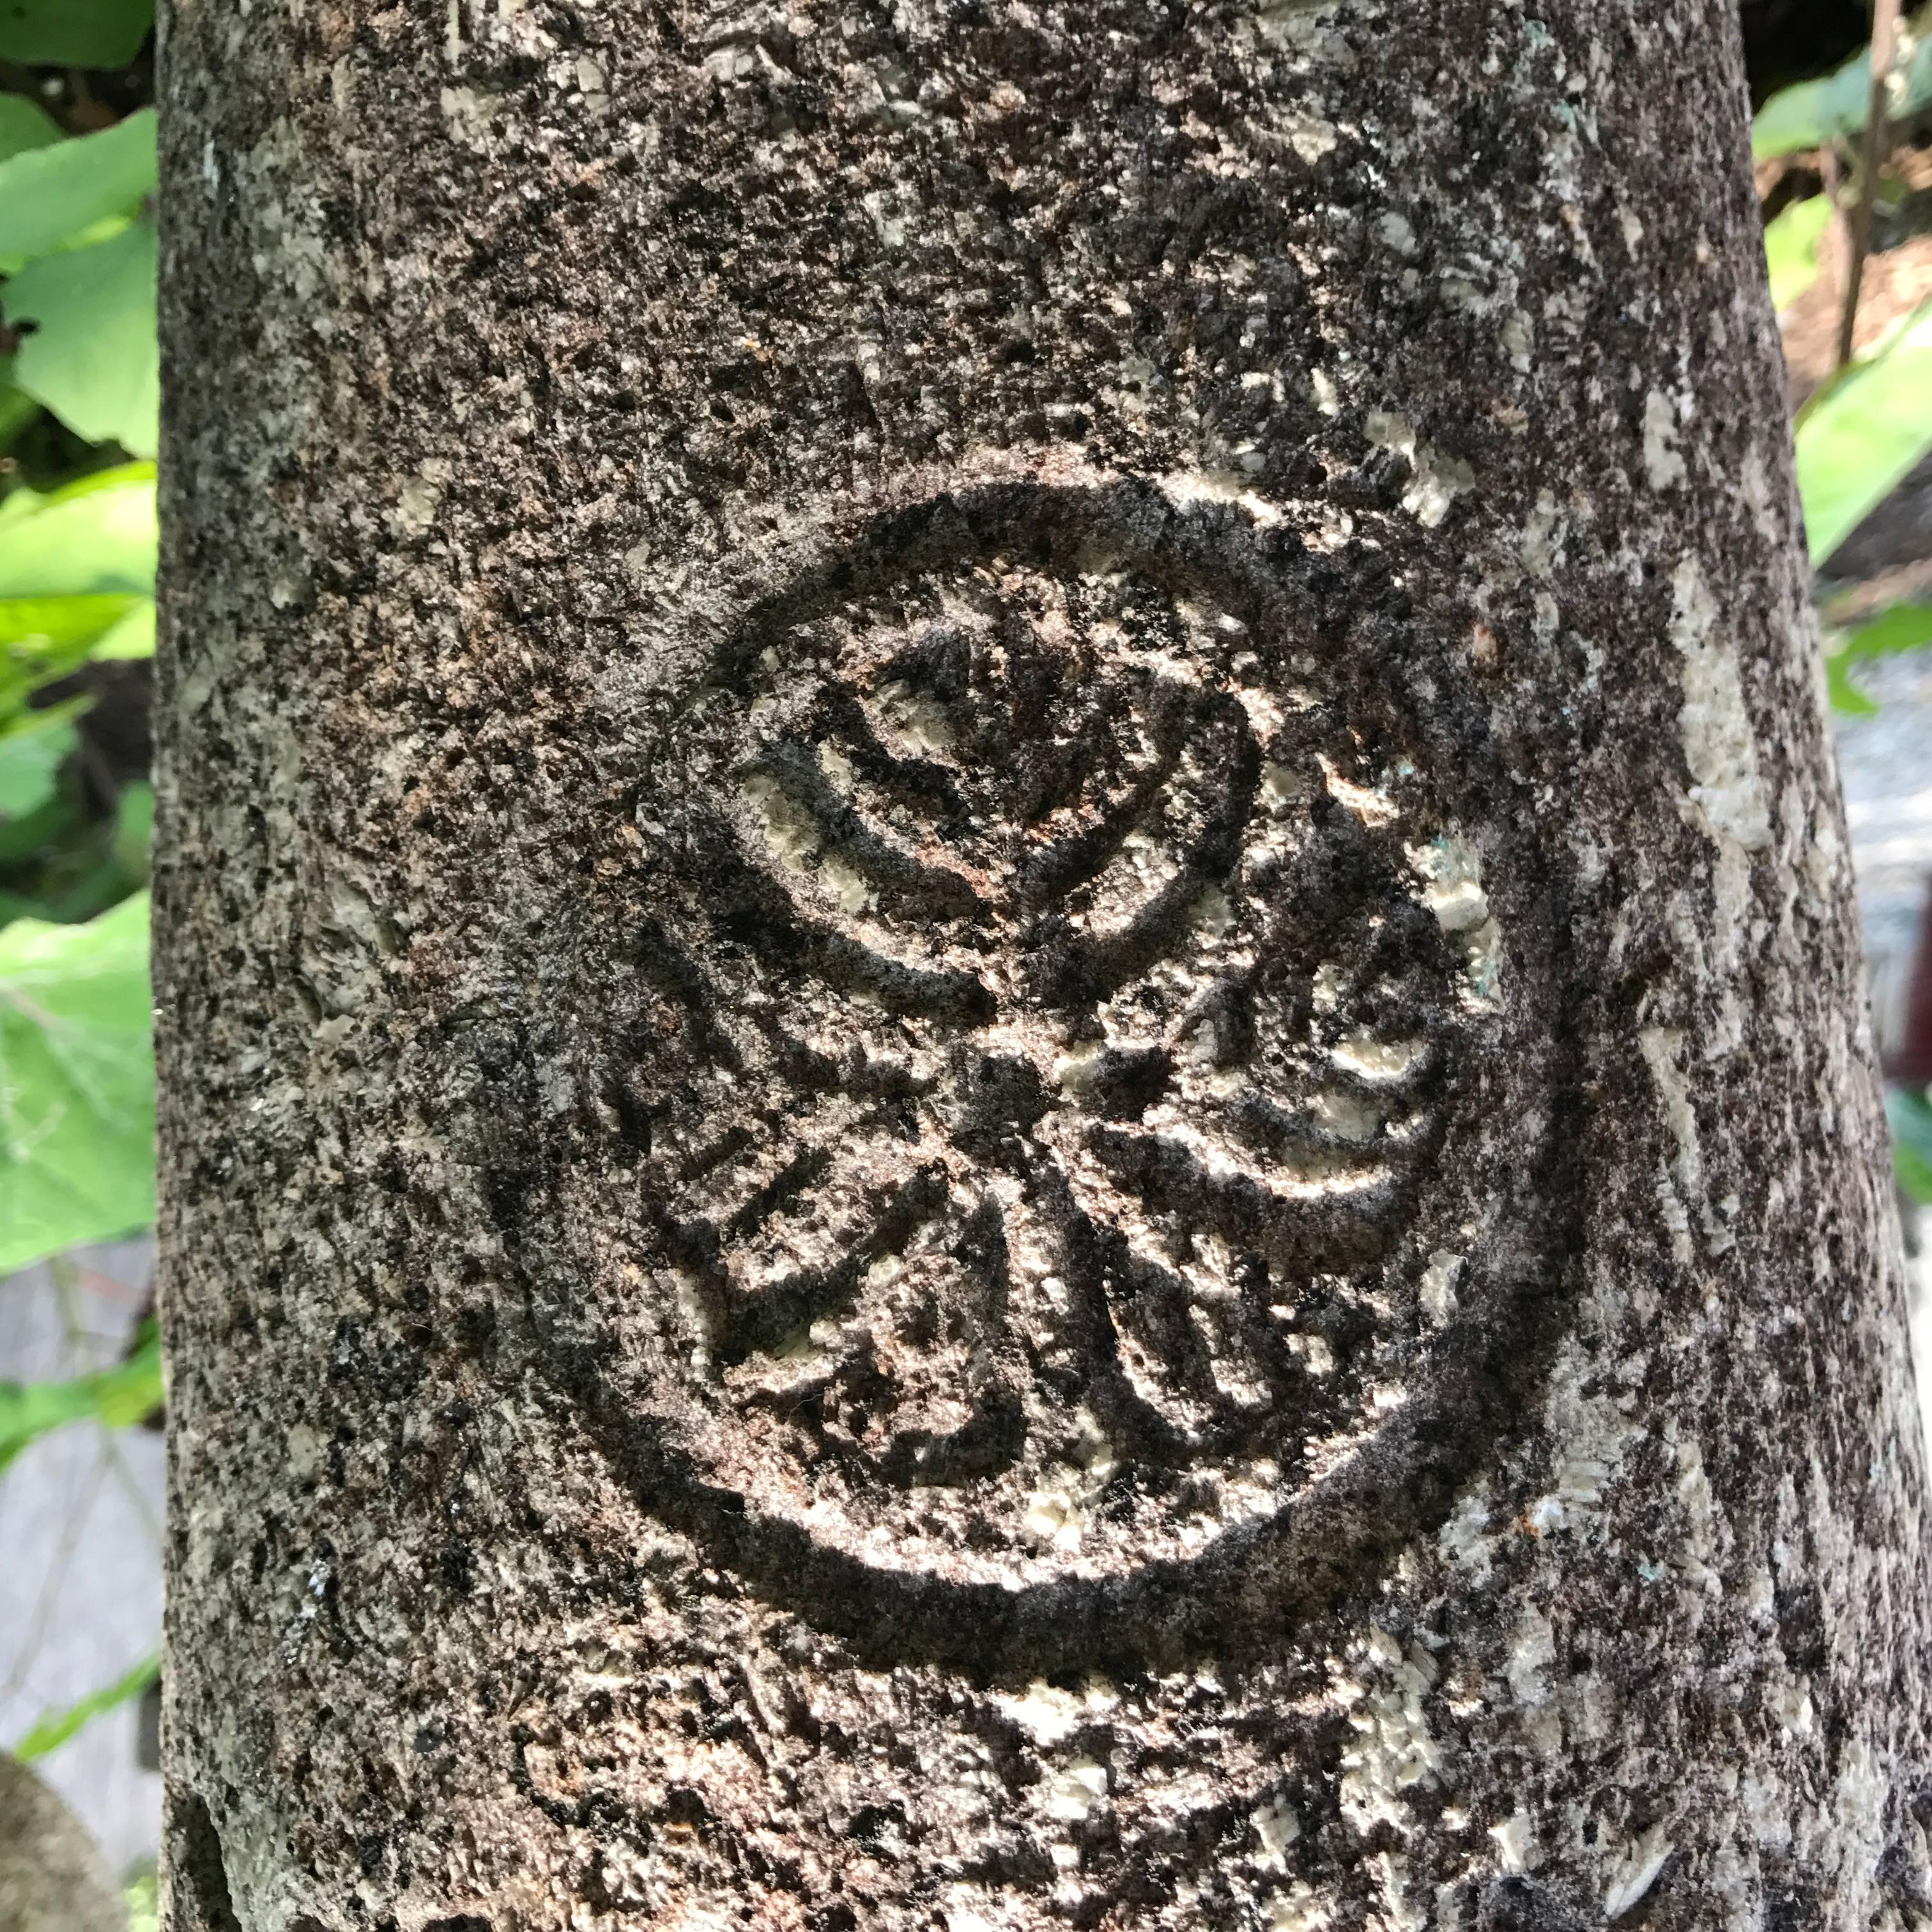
{"type": "Point", "coordinates": [1011, 1041]}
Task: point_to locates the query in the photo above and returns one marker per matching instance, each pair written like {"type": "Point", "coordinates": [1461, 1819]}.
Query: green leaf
{"type": "Point", "coordinates": [62, 623]}
{"type": "Point", "coordinates": [30, 839]}
{"type": "Point", "coordinates": [1904, 627]}
{"type": "Point", "coordinates": [1791, 247]}
{"type": "Point", "coordinates": [1814, 112]}
{"type": "Point", "coordinates": [42, 638]}
{"type": "Point", "coordinates": [95, 537]}
{"type": "Point", "coordinates": [17, 408]}
{"type": "Point", "coordinates": [1860, 436]}
{"type": "Point", "coordinates": [52, 1732]}
{"type": "Point", "coordinates": [1911, 1118]}
{"type": "Point", "coordinates": [30, 757]}
{"type": "Point", "coordinates": [23, 124]}
{"type": "Point", "coordinates": [128, 1393]}
{"type": "Point", "coordinates": [97, 34]}
{"type": "Point", "coordinates": [94, 357]}
{"type": "Point", "coordinates": [76, 1083]}
{"type": "Point", "coordinates": [49, 195]}
{"type": "Point", "coordinates": [144, 1903]}
{"type": "Point", "coordinates": [134, 828]}
{"type": "Point", "coordinates": [132, 635]}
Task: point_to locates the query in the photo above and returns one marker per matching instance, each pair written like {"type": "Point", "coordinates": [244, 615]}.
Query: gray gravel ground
{"type": "Point", "coordinates": [80, 1577]}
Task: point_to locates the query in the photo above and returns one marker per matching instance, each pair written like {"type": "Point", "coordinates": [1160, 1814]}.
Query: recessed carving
{"type": "Point", "coordinates": [1080, 1001]}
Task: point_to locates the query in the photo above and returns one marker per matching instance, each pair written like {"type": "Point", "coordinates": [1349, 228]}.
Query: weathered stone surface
{"type": "Point", "coordinates": [50, 1875]}
{"type": "Point", "coordinates": [1011, 1035]}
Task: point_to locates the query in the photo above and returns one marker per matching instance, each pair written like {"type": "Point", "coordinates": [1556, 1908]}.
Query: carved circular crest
{"type": "Point", "coordinates": [1092, 1000]}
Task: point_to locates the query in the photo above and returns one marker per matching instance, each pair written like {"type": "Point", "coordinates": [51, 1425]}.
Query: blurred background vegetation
{"type": "Point", "coordinates": [1848, 205]}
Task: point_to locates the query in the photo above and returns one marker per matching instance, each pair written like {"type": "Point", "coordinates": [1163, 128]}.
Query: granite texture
{"type": "Point", "coordinates": [1010, 1013]}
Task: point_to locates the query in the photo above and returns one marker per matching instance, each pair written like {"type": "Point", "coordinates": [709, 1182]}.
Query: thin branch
{"type": "Point", "coordinates": [1884, 41]}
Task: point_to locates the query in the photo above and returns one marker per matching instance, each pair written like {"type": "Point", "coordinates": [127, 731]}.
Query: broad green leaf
{"type": "Point", "coordinates": [61, 623]}
{"type": "Point", "coordinates": [17, 408]}
{"type": "Point", "coordinates": [93, 357]}
{"type": "Point", "coordinates": [143, 1897]}
{"type": "Point", "coordinates": [1905, 627]}
{"type": "Point", "coordinates": [76, 1083]}
{"type": "Point", "coordinates": [1862, 435]}
{"type": "Point", "coordinates": [42, 638]}
{"type": "Point", "coordinates": [1791, 247]}
{"type": "Point", "coordinates": [49, 195]}
{"type": "Point", "coordinates": [128, 1393]}
{"type": "Point", "coordinates": [132, 636]}
{"type": "Point", "coordinates": [1815, 111]}
{"type": "Point", "coordinates": [73, 33]}
{"type": "Point", "coordinates": [31, 839]}
{"type": "Point", "coordinates": [23, 125]}
{"type": "Point", "coordinates": [52, 1732]}
{"type": "Point", "coordinates": [31, 757]}
{"type": "Point", "coordinates": [1911, 1118]}
{"type": "Point", "coordinates": [95, 536]}
{"type": "Point", "coordinates": [134, 830]}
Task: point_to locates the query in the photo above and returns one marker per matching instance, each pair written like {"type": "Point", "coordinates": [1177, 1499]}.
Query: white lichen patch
{"type": "Point", "coordinates": [1451, 869]}
{"type": "Point", "coordinates": [1517, 336]}
{"type": "Point", "coordinates": [1315, 1353]}
{"type": "Point", "coordinates": [1299, 1908]}
{"type": "Point", "coordinates": [1589, 1436]}
{"type": "Point", "coordinates": [1436, 1295]}
{"type": "Point", "coordinates": [1187, 487]}
{"type": "Point", "coordinates": [1439, 480]}
{"type": "Point", "coordinates": [419, 499]}
{"type": "Point", "coordinates": [1371, 1057]}
{"type": "Point", "coordinates": [469, 113]}
{"type": "Point", "coordinates": [303, 1448]}
{"type": "Point", "coordinates": [1309, 135]}
{"type": "Point", "coordinates": [791, 833]}
{"type": "Point", "coordinates": [1075, 1070]}
{"type": "Point", "coordinates": [968, 1909]}
{"type": "Point", "coordinates": [1393, 1749]}
{"type": "Point", "coordinates": [1049, 1715]}
{"type": "Point", "coordinates": [1389, 429]}
{"type": "Point", "coordinates": [1635, 1871]}
{"type": "Point", "coordinates": [915, 720]}
{"type": "Point", "coordinates": [1395, 232]}
{"type": "Point", "coordinates": [1464, 1539]}
{"type": "Point", "coordinates": [1542, 536]}
{"type": "Point", "coordinates": [1070, 1794]}
{"type": "Point", "coordinates": [1345, 1115]}
{"type": "Point", "coordinates": [1212, 915]}
{"type": "Point", "coordinates": [1682, 1189]}
{"type": "Point", "coordinates": [1515, 1840]}
{"type": "Point", "coordinates": [849, 886]}
{"type": "Point", "coordinates": [1055, 1513]}
{"type": "Point", "coordinates": [1281, 789]}
{"type": "Point", "coordinates": [1276, 1826]}
{"type": "Point", "coordinates": [1726, 795]}
{"type": "Point", "coordinates": [1531, 1651]}
{"type": "Point", "coordinates": [1700, 1541]}
{"type": "Point", "coordinates": [1662, 464]}
{"type": "Point", "coordinates": [592, 83]}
